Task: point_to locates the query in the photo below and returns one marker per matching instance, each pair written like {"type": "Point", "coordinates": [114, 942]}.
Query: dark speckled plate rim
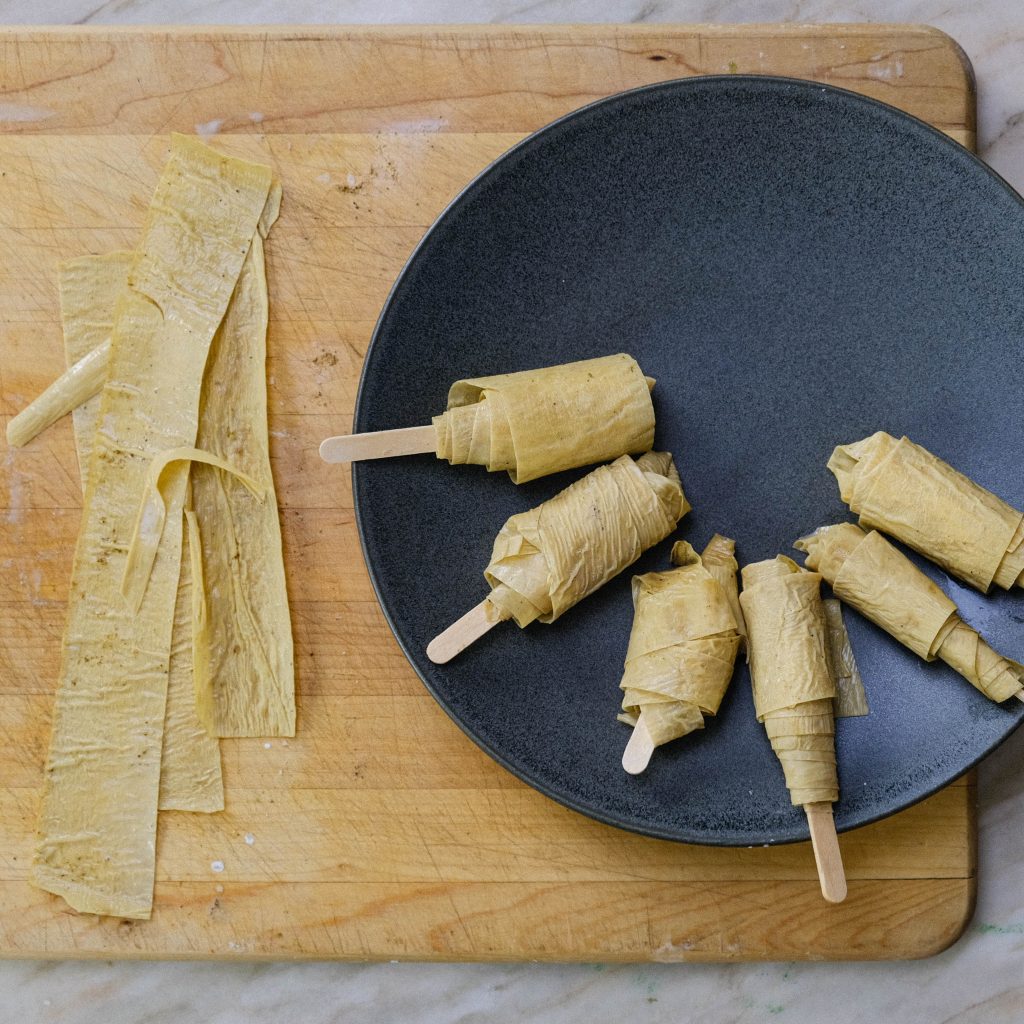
{"type": "Point", "coordinates": [416, 658]}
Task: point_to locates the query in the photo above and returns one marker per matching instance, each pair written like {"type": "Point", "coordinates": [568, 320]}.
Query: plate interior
{"type": "Point", "coordinates": [798, 266]}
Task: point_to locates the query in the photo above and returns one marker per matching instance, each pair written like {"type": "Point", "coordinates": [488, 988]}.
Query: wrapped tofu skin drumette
{"type": "Point", "coordinates": [793, 690]}
{"type": "Point", "coordinates": [531, 423]}
{"type": "Point", "coordinates": [792, 683]}
{"type": "Point", "coordinates": [682, 649]}
{"type": "Point", "coordinates": [549, 558]}
{"type": "Point", "coordinates": [903, 490]}
{"type": "Point", "coordinates": [872, 576]}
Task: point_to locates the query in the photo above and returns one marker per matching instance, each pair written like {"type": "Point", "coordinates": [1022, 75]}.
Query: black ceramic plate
{"type": "Point", "coordinates": [798, 267]}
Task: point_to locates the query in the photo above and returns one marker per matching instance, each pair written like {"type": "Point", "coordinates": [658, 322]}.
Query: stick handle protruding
{"type": "Point", "coordinates": [379, 444]}
{"type": "Point", "coordinates": [637, 755]}
{"type": "Point", "coordinates": [827, 857]}
{"type": "Point", "coordinates": [463, 632]}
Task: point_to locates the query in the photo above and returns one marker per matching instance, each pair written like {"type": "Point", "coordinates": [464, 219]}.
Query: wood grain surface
{"type": "Point", "coordinates": [380, 831]}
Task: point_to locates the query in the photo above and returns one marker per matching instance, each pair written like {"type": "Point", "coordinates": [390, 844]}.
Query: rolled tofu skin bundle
{"type": "Point", "coordinates": [872, 576]}
{"type": "Point", "coordinates": [792, 682]}
{"type": "Point", "coordinates": [549, 558]}
{"type": "Point", "coordinates": [537, 422]}
{"type": "Point", "coordinates": [682, 647]}
{"type": "Point", "coordinates": [903, 490]}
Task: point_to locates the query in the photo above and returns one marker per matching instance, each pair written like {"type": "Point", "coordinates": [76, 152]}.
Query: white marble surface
{"type": "Point", "coordinates": [978, 981]}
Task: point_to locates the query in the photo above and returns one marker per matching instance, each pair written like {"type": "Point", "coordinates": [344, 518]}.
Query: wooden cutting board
{"type": "Point", "coordinates": [381, 831]}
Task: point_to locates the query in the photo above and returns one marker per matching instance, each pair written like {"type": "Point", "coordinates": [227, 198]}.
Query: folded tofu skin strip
{"type": "Point", "coordinates": [902, 489]}
{"type": "Point", "coordinates": [190, 771]}
{"type": "Point", "coordinates": [244, 659]}
{"type": "Point", "coordinates": [536, 422]}
{"type": "Point", "coordinates": [872, 576]}
{"type": "Point", "coordinates": [682, 647]}
{"type": "Point", "coordinates": [549, 558]}
{"type": "Point", "coordinates": [97, 823]}
{"type": "Point", "coordinates": [165, 476]}
{"type": "Point", "coordinates": [851, 699]}
{"type": "Point", "coordinates": [792, 680]}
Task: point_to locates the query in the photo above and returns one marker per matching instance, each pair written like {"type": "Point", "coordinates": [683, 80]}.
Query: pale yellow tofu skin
{"type": "Point", "coordinates": [244, 658]}
{"type": "Point", "coordinates": [866, 572]}
{"type": "Point", "coordinates": [190, 771]}
{"type": "Point", "coordinates": [546, 560]}
{"type": "Point", "coordinates": [97, 822]}
{"type": "Point", "coordinates": [537, 422]}
{"type": "Point", "coordinates": [851, 699]}
{"type": "Point", "coordinates": [90, 287]}
{"type": "Point", "coordinates": [682, 647]}
{"type": "Point", "coordinates": [719, 558]}
{"type": "Point", "coordinates": [904, 490]}
{"type": "Point", "coordinates": [792, 680]}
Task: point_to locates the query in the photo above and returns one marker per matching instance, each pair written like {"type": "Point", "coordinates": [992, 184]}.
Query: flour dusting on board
{"type": "Point", "coordinates": [886, 72]}
{"type": "Point", "coordinates": [22, 112]}
{"type": "Point", "coordinates": [209, 128]}
{"type": "Point", "coordinates": [427, 124]}
{"type": "Point", "coordinates": [670, 952]}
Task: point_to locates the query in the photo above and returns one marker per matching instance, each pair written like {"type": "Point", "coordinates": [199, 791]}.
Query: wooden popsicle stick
{"type": "Point", "coordinates": [379, 444]}
{"type": "Point", "coordinates": [637, 755]}
{"type": "Point", "coordinates": [1019, 695]}
{"type": "Point", "coordinates": [829, 860]}
{"type": "Point", "coordinates": [463, 632]}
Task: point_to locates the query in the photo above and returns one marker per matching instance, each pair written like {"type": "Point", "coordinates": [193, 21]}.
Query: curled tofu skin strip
{"type": "Point", "coordinates": [719, 558]}
{"type": "Point", "coordinates": [190, 770]}
{"type": "Point", "coordinates": [242, 639]}
{"type": "Point", "coordinates": [81, 381]}
{"type": "Point", "coordinates": [902, 489]}
{"type": "Point", "coordinates": [97, 822]}
{"type": "Point", "coordinates": [851, 699]}
{"type": "Point", "coordinates": [682, 646]}
{"type": "Point", "coordinates": [868, 573]}
{"type": "Point", "coordinates": [549, 558]}
{"type": "Point", "coordinates": [537, 422]}
{"type": "Point", "coordinates": [167, 474]}
{"type": "Point", "coordinates": [792, 681]}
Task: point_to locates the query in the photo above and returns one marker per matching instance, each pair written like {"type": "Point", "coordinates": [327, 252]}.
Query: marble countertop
{"type": "Point", "coordinates": [978, 980]}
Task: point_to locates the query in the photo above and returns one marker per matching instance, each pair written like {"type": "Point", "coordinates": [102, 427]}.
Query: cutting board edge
{"type": "Point", "coordinates": [909, 951]}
